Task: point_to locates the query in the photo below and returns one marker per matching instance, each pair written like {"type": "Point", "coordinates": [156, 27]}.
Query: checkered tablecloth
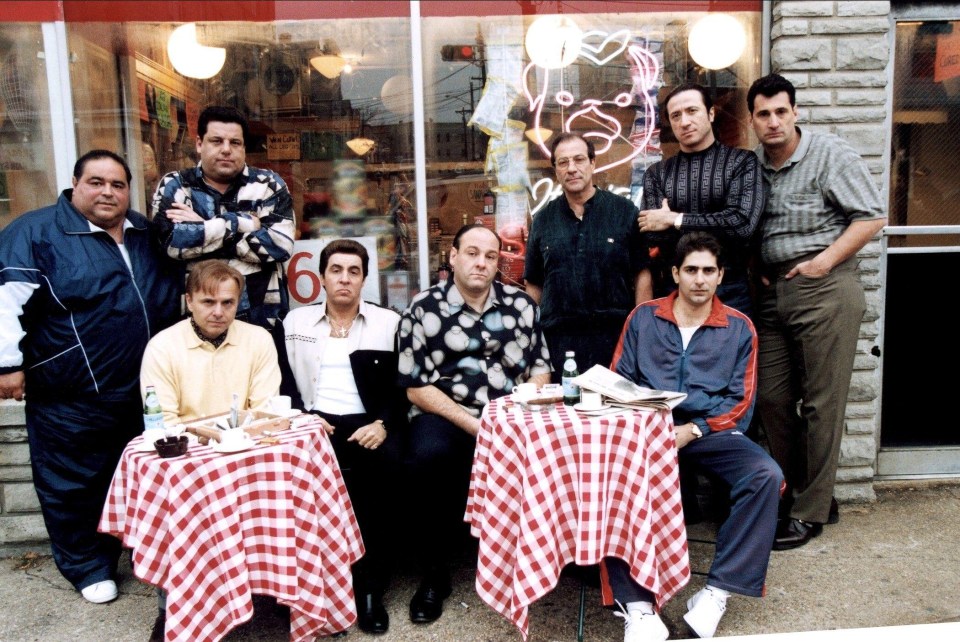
{"type": "Point", "coordinates": [556, 487]}
{"type": "Point", "coordinates": [212, 529]}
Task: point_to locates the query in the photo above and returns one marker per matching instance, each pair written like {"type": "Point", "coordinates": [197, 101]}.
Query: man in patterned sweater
{"type": "Point", "coordinates": [226, 209]}
{"type": "Point", "coordinates": [707, 187]}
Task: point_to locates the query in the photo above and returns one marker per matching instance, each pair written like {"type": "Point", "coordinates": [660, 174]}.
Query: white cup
{"type": "Point", "coordinates": [233, 437]}
{"type": "Point", "coordinates": [525, 390]}
{"type": "Point", "coordinates": [174, 430]}
{"type": "Point", "coordinates": [154, 434]}
{"type": "Point", "coordinates": [279, 404]}
{"type": "Point", "coordinates": [590, 400]}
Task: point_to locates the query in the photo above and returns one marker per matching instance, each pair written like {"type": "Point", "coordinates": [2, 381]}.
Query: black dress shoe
{"type": "Point", "coordinates": [834, 517]}
{"type": "Point", "coordinates": [371, 616]}
{"type": "Point", "coordinates": [792, 533]}
{"type": "Point", "coordinates": [427, 603]}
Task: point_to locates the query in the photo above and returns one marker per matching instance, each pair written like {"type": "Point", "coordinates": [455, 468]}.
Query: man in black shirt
{"type": "Point", "coordinates": [586, 261]}
{"type": "Point", "coordinates": [707, 187]}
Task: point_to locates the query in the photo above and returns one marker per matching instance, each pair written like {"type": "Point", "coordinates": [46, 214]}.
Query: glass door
{"type": "Point", "coordinates": [922, 250]}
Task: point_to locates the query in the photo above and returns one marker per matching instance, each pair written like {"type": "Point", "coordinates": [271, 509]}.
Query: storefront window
{"type": "Point", "coordinates": [26, 153]}
{"type": "Point", "coordinates": [316, 96]}
{"type": "Point", "coordinates": [498, 90]}
{"type": "Point", "coordinates": [329, 93]}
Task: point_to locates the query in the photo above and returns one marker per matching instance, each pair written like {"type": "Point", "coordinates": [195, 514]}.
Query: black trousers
{"type": "Point", "coordinates": [75, 446]}
{"type": "Point", "coordinates": [439, 459]}
{"type": "Point", "coordinates": [372, 478]}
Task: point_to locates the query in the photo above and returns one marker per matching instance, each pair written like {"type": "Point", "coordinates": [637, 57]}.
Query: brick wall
{"type": "Point", "coordinates": [837, 54]}
{"type": "Point", "coordinates": [20, 520]}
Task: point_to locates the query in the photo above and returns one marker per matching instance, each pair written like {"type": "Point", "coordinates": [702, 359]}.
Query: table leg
{"type": "Point", "coordinates": [583, 608]}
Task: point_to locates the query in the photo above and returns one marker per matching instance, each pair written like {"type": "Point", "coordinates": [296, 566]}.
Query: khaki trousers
{"type": "Point", "coordinates": [808, 330]}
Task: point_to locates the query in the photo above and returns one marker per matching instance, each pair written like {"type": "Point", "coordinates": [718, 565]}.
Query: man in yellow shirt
{"type": "Point", "coordinates": [198, 364]}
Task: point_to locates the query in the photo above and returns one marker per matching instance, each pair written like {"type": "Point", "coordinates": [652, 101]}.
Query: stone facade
{"type": "Point", "coordinates": [837, 54]}
{"type": "Point", "coordinates": [20, 520]}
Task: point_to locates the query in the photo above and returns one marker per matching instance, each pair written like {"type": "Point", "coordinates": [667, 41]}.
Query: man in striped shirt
{"type": "Point", "coordinates": [706, 187]}
{"type": "Point", "coordinates": [823, 208]}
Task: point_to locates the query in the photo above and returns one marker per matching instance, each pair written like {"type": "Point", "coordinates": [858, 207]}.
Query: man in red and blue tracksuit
{"type": "Point", "coordinates": [691, 342]}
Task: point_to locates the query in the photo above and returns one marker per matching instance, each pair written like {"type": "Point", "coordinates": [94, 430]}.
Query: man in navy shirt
{"type": "Point", "coordinates": [586, 260]}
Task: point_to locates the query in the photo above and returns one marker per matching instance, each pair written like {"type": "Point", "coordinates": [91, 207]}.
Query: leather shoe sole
{"type": "Point", "coordinates": [793, 533]}
{"type": "Point", "coordinates": [427, 603]}
{"type": "Point", "coordinates": [371, 616]}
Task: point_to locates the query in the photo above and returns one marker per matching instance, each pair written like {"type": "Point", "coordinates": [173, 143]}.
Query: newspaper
{"type": "Point", "coordinates": [624, 393]}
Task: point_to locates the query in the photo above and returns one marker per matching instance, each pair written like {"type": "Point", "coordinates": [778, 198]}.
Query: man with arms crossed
{"type": "Point", "coordinates": [823, 208]}
{"type": "Point", "coordinates": [462, 343]}
{"type": "Point", "coordinates": [586, 260]}
{"type": "Point", "coordinates": [707, 187]}
{"type": "Point", "coordinates": [226, 209]}
{"type": "Point", "coordinates": [82, 290]}
{"type": "Point", "coordinates": [690, 342]}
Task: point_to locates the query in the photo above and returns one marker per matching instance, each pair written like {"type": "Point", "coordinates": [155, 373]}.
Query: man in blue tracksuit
{"type": "Point", "coordinates": [82, 290]}
{"type": "Point", "coordinates": [690, 342]}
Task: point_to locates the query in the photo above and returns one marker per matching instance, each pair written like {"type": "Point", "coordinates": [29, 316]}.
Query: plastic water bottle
{"type": "Point", "coordinates": [571, 391]}
{"type": "Point", "coordinates": [152, 412]}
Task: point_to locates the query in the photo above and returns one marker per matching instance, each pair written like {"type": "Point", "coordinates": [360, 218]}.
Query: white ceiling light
{"type": "Point", "coordinates": [397, 94]}
{"type": "Point", "coordinates": [330, 65]}
{"type": "Point", "coordinates": [553, 41]}
{"type": "Point", "coordinates": [361, 146]}
{"type": "Point", "coordinates": [192, 59]}
{"type": "Point", "coordinates": [717, 41]}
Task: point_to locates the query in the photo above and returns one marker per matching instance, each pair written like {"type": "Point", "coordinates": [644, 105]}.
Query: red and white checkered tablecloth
{"type": "Point", "coordinates": [212, 529]}
{"type": "Point", "coordinates": [556, 487]}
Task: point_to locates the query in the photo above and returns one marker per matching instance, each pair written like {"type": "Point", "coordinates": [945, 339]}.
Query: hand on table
{"type": "Point", "coordinates": [369, 436]}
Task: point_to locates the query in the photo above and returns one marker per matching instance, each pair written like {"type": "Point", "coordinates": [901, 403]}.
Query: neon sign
{"type": "Point", "coordinates": [604, 128]}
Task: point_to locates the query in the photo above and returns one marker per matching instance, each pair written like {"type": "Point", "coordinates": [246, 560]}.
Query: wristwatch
{"type": "Point", "coordinates": [381, 422]}
{"type": "Point", "coordinates": [677, 222]}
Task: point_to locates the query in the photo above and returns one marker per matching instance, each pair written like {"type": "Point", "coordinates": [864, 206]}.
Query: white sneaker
{"type": "Point", "coordinates": [705, 609]}
{"type": "Point", "coordinates": [105, 591]}
{"type": "Point", "coordinates": [642, 624]}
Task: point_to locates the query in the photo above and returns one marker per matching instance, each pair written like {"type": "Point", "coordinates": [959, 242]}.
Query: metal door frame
{"type": "Point", "coordinates": [913, 462]}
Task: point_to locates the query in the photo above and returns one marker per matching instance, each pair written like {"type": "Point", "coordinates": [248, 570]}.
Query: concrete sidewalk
{"type": "Point", "coordinates": [892, 563]}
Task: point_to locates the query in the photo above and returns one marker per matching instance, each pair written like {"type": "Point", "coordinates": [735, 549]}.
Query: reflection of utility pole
{"type": "Point", "coordinates": [463, 116]}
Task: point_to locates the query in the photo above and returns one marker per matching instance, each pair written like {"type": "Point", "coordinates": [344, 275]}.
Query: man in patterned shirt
{"type": "Point", "coordinates": [225, 209]}
{"type": "Point", "coordinates": [461, 344]}
{"type": "Point", "coordinates": [707, 187]}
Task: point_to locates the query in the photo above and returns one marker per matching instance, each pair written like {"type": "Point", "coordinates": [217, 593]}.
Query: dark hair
{"type": "Point", "coordinates": [97, 154]}
{"type": "Point", "coordinates": [564, 137]}
{"type": "Point", "coordinates": [769, 86]}
{"type": "Point", "coordinates": [688, 86]}
{"type": "Point", "coordinates": [205, 276]}
{"type": "Point", "coordinates": [697, 242]}
{"type": "Point", "coordinates": [344, 246]}
{"type": "Point", "coordinates": [475, 226]}
{"type": "Point", "coordinates": [219, 114]}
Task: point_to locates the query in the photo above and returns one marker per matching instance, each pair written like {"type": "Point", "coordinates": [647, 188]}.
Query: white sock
{"type": "Point", "coordinates": [719, 592]}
